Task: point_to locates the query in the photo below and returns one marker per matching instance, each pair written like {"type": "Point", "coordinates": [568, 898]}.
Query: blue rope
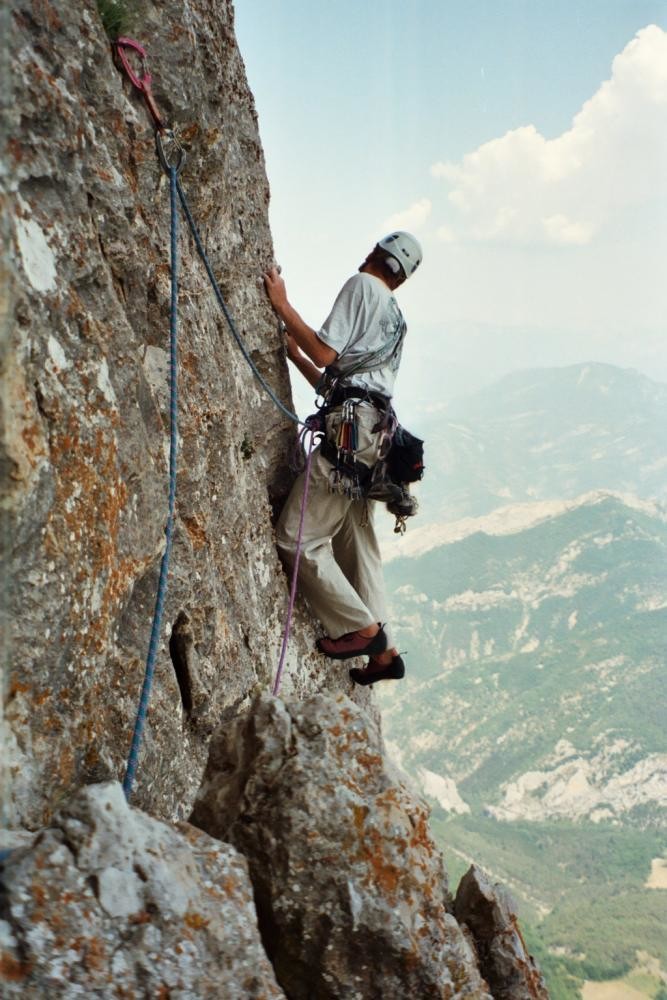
{"type": "Point", "coordinates": [142, 710]}
{"type": "Point", "coordinates": [218, 294]}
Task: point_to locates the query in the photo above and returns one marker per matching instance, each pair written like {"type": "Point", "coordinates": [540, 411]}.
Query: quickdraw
{"type": "Point", "coordinates": [121, 48]}
{"type": "Point", "coordinates": [169, 150]}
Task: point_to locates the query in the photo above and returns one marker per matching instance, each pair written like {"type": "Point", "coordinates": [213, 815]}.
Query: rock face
{"type": "Point", "coordinates": [349, 896]}
{"type": "Point", "coordinates": [489, 913]}
{"type": "Point", "coordinates": [341, 892]}
{"type": "Point", "coordinates": [84, 428]}
{"type": "Point", "coordinates": [110, 903]}
{"type": "Point", "coordinates": [350, 888]}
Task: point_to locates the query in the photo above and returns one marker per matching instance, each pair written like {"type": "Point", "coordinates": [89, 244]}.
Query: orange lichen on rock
{"type": "Point", "coordinates": [196, 920]}
{"type": "Point", "coordinates": [195, 530]}
{"type": "Point", "coordinates": [384, 874]}
{"type": "Point", "coordinates": [12, 970]}
{"type": "Point", "coordinates": [95, 955]}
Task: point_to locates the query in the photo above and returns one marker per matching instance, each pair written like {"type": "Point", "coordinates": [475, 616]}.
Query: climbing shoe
{"type": "Point", "coordinates": [374, 671]}
{"type": "Point", "coordinates": [353, 644]}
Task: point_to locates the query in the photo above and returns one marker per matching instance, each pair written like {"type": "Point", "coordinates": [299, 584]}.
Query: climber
{"type": "Point", "coordinates": [359, 347]}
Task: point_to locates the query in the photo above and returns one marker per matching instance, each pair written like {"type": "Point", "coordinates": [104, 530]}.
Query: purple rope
{"type": "Point", "coordinates": [295, 571]}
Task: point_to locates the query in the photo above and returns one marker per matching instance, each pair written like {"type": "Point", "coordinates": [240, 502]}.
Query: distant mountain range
{"type": "Point", "coordinates": [507, 520]}
{"type": "Point", "coordinates": [536, 665]}
{"type": "Point", "coordinates": [543, 435]}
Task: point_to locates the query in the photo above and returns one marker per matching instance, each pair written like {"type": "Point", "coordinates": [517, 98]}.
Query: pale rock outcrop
{"type": "Point", "coordinates": [489, 913]}
{"type": "Point", "coordinates": [350, 888]}
{"type": "Point", "coordinates": [110, 903]}
{"type": "Point", "coordinates": [600, 786]}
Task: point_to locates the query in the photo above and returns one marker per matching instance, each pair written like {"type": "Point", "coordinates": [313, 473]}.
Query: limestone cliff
{"type": "Point", "coordinates": [107, 899]}
{"type": "Point", "coordinates": [85, 405]}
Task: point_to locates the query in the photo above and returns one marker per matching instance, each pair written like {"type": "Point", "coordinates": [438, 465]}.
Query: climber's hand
{"type": "Point", "coordinates": [292, 348]}
{"type": "Point", "coordinates": [275, 289]}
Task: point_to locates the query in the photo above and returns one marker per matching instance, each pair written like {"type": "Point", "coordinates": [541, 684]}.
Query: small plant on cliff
{"type": "Point", "coordinates": [247, 448]}
{"type": "Point", "coordinates": [115, 15]}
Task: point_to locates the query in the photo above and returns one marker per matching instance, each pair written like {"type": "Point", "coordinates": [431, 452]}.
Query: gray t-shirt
{"type": "Point", "coordinates": [364, 320]}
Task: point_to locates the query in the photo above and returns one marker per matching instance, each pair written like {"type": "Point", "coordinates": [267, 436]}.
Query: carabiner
{"type": "Point", "coordinates": [143, 82]}
{"type": "Point", "coordinates": [175, 150]}
{"type": "Point", "coordinates": [129, 43]}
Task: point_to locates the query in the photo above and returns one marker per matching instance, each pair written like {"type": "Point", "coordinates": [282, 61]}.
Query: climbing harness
{"type": "Point", "coordinates": [173, 443]}
{"type": "Point", "coordinates": [400, 455]}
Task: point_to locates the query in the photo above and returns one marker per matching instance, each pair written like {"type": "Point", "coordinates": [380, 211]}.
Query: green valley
{"type": "Point", "coordinates": [533, 717]}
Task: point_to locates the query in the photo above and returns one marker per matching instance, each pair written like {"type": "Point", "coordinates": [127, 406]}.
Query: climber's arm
{"type": "Point", "coordinates": [303, 335]}
{"type": "Point", "coordinates": [310, 372]}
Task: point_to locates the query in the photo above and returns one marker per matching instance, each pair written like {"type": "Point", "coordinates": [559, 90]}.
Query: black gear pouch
{"type": "Point", "coordinates": [405, 461]}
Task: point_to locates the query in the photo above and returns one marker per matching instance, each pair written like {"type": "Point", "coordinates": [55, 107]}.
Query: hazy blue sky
{"type": "Point", "coordinates": [524, 142]}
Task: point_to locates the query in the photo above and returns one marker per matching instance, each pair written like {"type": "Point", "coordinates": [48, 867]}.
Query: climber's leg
{"type": "Point", "coordinates": [323, 583]}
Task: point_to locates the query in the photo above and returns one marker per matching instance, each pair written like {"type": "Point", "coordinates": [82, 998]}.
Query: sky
{"type": "Point", "coordinates": [523, 142]}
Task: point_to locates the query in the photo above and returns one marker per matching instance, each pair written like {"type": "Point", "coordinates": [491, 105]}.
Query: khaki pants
{"type": "Point", "coordinates": [340, 567]}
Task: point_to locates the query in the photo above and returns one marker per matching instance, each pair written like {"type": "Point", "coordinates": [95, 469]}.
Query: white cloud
{"type": "Point", "coordinates": [525, 189]}
{"type": "Point", "coordinates": [445, 234]}
{"type": "Point", "coordinates": [560, 229]}
{"type": "Point", "coordinates": [412, 218]}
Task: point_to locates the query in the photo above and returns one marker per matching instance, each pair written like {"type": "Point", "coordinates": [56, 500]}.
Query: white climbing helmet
{"type": "Point", "coordinates": [404, 248]}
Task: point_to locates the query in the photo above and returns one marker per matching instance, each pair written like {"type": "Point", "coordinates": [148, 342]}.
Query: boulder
{"type": "Point", "coordinates": [108, 902]}
{"type": "Point", "coordinates": [487, 909]}
{"type": "Point", "coordinates": [350, 888]}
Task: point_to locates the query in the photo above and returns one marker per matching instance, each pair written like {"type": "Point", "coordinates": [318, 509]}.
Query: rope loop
{"type": "Point", "coordinates": [314, 425]}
